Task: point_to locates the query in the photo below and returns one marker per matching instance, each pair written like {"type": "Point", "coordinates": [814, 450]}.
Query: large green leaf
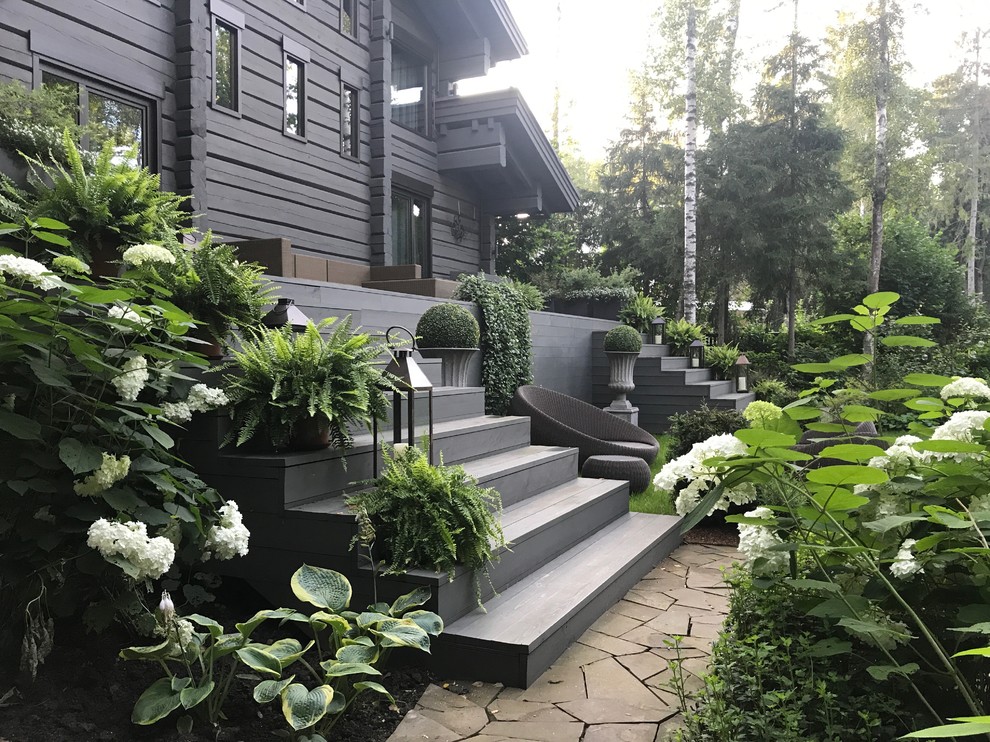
{"type": "Point", "coordinates": [336, 669]}
{"type": "Point", "coordinates": [358, 653]}
{"type": "Point", "coordinates": [891, 522]}
{"type": "Point", "coordinates": [948, 446]}
{"type": "Point", "coordinates": [19, 426]}
{"type": "Point", "coordinates": [302, 708]}
{"type": "Point", "coordinates": [207, 623]}
{"type": "Point", "coordinates": [78, 456]}
{"type": "Point", "coordinates": [918, 320]}
{"type": "Point", "coordinates": [268, 690]}
{"type": "Point", "coordinates": [288, 650]}
{"type": "Point", "coordinates": [154, 652]}
{"type": "Point", "coordinates": [843, 474]}
{"type": "Point", "coordinates": [413, 599]}
{"type": "Point", "coordinates": [840, 499]}
{"type": "Point", "coordinates": [980, 725]}
{"type": "Point", "coordinates": [321, 587]}
{"type": "Point", "coordinates": [856, 413]}
{"type": "Point", "coordinates": [196, 694]}
{"type": "Point", "coordinates": [881, 299]}
{"type": "Point", "coordinates": [907, 341]}
{"type": "Point", "coordinates": [761, 438]}
{"type": "Point", "coordinates": [924, 404]}
{"type": "Point", "coordinates": [260, 660]}
{"type": "Point", "coordinates": [852, 452]}
{"type": "Point", "coordinates": [927, 380]}
{"type": "Point", "coordinates": [853, 359]}
{"type": "Point", "coordinates": [883, 672]}
{"type": "Point", "coordinates": [246, 628]}
{"type": "Point", "coordinates": [376, 687]}
{"type": "Point", "coordinates": [428, 621]}
{"type": "Point", "coordinates": [893, 395]}
{"type": "Point", "coordinates": [817, 368]}
{"type": "Point", "coordinates": [157, 702]}
{"type": "Point", "coordinates": [401, 632]}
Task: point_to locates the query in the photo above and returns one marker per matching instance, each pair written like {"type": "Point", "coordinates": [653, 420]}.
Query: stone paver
{"type": "Point", "coordinates": [613, 683]}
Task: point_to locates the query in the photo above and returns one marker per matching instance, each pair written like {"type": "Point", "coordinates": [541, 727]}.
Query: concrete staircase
{"type": "Point", "coordinates": [575, 547]}
{"type": "Point", "coordinates": [665, 385]}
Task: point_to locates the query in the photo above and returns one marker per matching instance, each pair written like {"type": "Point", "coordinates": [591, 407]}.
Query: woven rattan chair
{"type": "Point", "coordinates": [813, 442]}
{"type": "Point", "coordinates": [559, 420]}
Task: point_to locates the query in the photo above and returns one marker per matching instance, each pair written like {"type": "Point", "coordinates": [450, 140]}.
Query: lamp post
{"type": "Point", "coordinates": [408, 379]}
{"type": "Point", "coordinates": [742, 374]}
{"type": "Point", "coordinates": [696, 354]}
{"type": "Point", "coordinates": [285, 312]}
{"type": "Point", "coordinates": [659, 331]}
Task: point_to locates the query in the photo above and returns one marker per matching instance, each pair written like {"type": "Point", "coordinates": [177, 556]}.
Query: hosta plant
{"type": "Point", "coordinates": [315, 683]}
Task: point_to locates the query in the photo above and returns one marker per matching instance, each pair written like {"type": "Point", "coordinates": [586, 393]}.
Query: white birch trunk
{"type": "Point", "coordinates": [689, 289]}
{"type": "Point", "coordinates": [974, 200]}
{"type": "Point", "coordinates": [880, 165]}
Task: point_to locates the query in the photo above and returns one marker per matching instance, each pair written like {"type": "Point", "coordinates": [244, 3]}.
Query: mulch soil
{"type": "Point", "coordinates": [85, 692]}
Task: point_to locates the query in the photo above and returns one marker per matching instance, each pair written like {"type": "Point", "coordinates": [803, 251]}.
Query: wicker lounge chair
{"type": "Point", "coordinates": [559, 420]}
{"type": "Point", "coordinates": [814, 443]}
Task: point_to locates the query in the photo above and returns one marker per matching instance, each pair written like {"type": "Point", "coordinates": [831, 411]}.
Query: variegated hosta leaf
{"type": "Point", "coordinates": [401, 632]}
{"type": "Point", "coordinates": [321, 587]}
{"type": "Point", "coordinates": [226, 644]}
{"type": "Point", "coordinates": [364, 641]}
{"type": "Point", "coordinates": [358, 653]}
{"type": "Point", "coordinates": [376, 687]}
{"type": "Point", "coordinates": [287, 650]}
{"type": "Point", "coordinates": [158, 651]}
{"type": "Point", "coordinates": [247, 627]}
{"type": "Point", "coordinates": [268, 690]}
{"type": "Point", "coordinates": [260, 660]}
{"type": "Point", "coordinates": [157, 702]}
{"type": "Point", "coordinates": [403, 603]}
{"type": "Point", "coordinates": [195, 695]}
{"type": "Point", "coordinates": [336, 669]}
{"type": "Point", "coordinates": [369, 618]}
{"type": "Point", "coordinates": [209, 624]}
{"type": "Point", "coordinates": [338, 624]}
{"type": "Point", "coordinates": [428, 621]}
{"type": "Point", "coordinates": [303, 708]}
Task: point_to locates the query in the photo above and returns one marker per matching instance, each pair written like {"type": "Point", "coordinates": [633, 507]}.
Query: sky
{"type": "Point", "coordinates": [593, 58]}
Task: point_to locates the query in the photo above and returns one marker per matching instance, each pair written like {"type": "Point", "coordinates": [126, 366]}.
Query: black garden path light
{"type": "Point", "coordinates": [742, 374]}
{"type": "Point", "coordinates": [408, 379]}
{"type": "Point", "coordinates": [696, 354]}
{"type": "Point", "coordinates": [285, 312]}
{"type": "Point", "coordinates": [659, 331]}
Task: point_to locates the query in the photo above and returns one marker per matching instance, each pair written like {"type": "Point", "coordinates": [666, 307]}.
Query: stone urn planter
{"type": "Point", "coordinates": [622, 346]}
{"type": "Point", "coordinates": [449, 332]}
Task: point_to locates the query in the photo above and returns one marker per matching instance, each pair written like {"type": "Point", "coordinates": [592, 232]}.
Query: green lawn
{"type": "Point", "coordinates": [653, 501]}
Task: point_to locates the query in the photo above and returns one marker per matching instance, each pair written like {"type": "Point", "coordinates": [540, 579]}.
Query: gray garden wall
{"type": "Point", "coordinates": [561, 342]}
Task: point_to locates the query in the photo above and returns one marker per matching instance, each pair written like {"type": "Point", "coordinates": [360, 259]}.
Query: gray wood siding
{"type": "Point", "coordinates": [123, 45]}
{"type": "Point", "coordinates": [262, 183]}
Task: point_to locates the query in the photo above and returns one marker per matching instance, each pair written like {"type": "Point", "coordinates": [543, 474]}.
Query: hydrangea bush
{"type": "Point", "coordinates": [94, 502]}
{"type": "Point", "coordinates": [887, 548]}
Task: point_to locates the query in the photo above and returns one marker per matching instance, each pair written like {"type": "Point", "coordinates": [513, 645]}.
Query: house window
{"type": "Point", "coordinates": [349, 121]}
{"type": "Point", "coordinates": [226, 65]}
{"type": "Point", "coordinates": [409, 91]}
{"type": "Point", "coordinates": [295, 96]}
{"type": "Point", "coordinates": [410, 230]}
{"type": "Point", "coordinates": [348, 18]}
{"type": "Point", "coordinates": [107, 116]}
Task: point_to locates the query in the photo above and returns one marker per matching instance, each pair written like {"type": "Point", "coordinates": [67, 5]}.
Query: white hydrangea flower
{"type": "Point", "coordinates": [176, 412]}
{"type": "Point", "coordinates": [966, 387]}
{"type": "Point", "coordinates": [755, 542]}
{"type": "Point", "coordinates": [184, 631]}
{"type": "Point", "coordinates": [691, 468]}
{"type": "Point", "coordinates": [151, 557]}
{"type": "Point", "coordinates": [901, 455]}
{"type": "Point", "coordinates": [141, 254]}
{"type": "Point", "coordinates": [132, 378]}
{"type": "Point", "coordinates": [111, 471]}
{"type": "Point", "coordinates": [117, 312]}
{"type": "Point", "coordinates": [29, 270]}
{"type": "Point", "coordinates": [229, 537]}
{"type": "Point", "coordinates": [905, 565]}
{"type": "Point", "coordinates": [203, 398]}
{"type": "Point", "coordinates": [961, 425]}
{"type": "Point", "coordinates": [70, 264]}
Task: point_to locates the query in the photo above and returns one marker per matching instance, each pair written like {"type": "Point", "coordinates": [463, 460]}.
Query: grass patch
{"type": "Point", "coordinates": [653, 500]}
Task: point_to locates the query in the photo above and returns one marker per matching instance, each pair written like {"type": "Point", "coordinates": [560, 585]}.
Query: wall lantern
{"type": "Point", "coordinates": [696, 354]}
{"type": "Point", "coordinates": [660, 331]}
{"type": "Point", "coordinates": [742, 374]}
{"type": "Point", "coordinates": [285, 312]}
{"type": "Point", "coordinates": [408, 378]}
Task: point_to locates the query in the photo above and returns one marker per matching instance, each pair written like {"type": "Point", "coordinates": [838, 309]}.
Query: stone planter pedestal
{"type": "Point", "coordinates": [621, 365]}
{"type": "Point", "coordinates": [455, 363]}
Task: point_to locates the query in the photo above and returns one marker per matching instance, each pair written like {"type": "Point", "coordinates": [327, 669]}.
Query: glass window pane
{"type": "Point", "coordinates": [348, 123]}
{"type": "Point", "coordinates": [295, 93]}
{"type": "Point", "coordinates": [118, 123]}
{"type": "Point", "coordinates": [401, 231]}
{"type": "Point", "coordinates": [348, 23]}
{"type": "Point", "coordinates": [420, 215]}
{"type": "Point", "coordinates": [67, 92]}
{"type": "Point", "coordinates": [225, 66]}
{"type": "Point", "coordinates": [408, 90]}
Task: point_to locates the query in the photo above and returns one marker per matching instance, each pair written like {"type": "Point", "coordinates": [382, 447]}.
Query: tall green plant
{"type": "Point", "coordinates": [506, 344]}
{"type": "Point", "coordinates": [640, 312]}
{"type": "Point", "coordinates": [681, 333]}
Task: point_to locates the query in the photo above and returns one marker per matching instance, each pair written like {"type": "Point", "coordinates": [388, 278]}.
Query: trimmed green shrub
{"type": "Point", "coordinates": [775, 391]}
{"type": "Point", "coordinates": [506, 344]}
{"type": "Point", "coordinates": [623, 339]}
{"type": "Point", "coordinates": [688, 428]}
{"type": "Point", "coordinates": [722, 359]}
{"type": "Point", "coordinates": [640, 312]}
{"type": "Point", "coordinates": [681, 333]}
{"type": "Point", "coordinates": [447, 326]}
{"type": "Point", "coordinates": [774, 677]}
{"type": "Point", "coordinates": [531, 295]}
{"type": "Point", "coordinates": [589, 283]}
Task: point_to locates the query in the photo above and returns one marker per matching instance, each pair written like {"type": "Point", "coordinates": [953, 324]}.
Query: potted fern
{"type": "Point", "coordinates": [450, 332]}
{"type": "Point", "coordinates": [302, 391]}
{"type": "Point", "coordinates": [622, 346]}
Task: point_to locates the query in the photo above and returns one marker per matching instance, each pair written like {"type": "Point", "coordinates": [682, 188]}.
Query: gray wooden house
{"type": "Point", "coordinates": [331, 126]}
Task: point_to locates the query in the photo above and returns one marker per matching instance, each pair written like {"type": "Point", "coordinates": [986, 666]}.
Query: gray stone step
{"type": "Point", "coordinates": [531, 623]}
{"type": "Point", "coordinates": [521, 473]}
{"type": "Point", "coordinates": [538, 529]}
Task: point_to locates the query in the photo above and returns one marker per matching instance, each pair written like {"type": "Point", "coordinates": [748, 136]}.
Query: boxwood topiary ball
{"type": "Point", "coordinates": [447, 326]}
{"type": "Point", "coordinates": [624, 339]}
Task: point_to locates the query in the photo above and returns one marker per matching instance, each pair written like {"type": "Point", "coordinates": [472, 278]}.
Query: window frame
{"type": "Point", "coordinates": [148, 106]}
{"type": "Point", "coordinates": [222, 13]}
{"type": "Point", "coordinates": [427, 103]}
{"type": "Point", "coordinates": [354, 153]}
{"type": "Point", "coordinates": [300, 55]}
{"type": "Point", "coordinates": [354, 6]}
{"type": "Point", "coordinates": [412, 196]}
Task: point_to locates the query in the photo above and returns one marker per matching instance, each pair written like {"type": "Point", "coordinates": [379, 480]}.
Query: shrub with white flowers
{"type": "Point", "coordinates": [141, 254]}
{"type": "Point", "coordinates": [129, 546]}
{"type": "Point", "coordinates": [965, 387]}
{"type": "Point", "coordinates": [905, 564]}
{"type": "Point", "coordinates": [695, 478]}
{"type": "Point", "coordinates": [132, 378]}
{"type": "Point", "coordinates": [29, 271]}
{"type": "Point", "coordinates": [111, 471]}
{"type": "Point", "coordinates": [756, 541]}
{"type": "Point", "coordinates": [229, 537]}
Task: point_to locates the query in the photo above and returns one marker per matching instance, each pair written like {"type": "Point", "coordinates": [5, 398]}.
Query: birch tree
{"type": "Point", "coordinates": [689, 301]}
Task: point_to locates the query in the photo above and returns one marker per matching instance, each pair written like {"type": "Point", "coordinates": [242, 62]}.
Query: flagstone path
{"type": "Point", "coordinates": [612, 685]}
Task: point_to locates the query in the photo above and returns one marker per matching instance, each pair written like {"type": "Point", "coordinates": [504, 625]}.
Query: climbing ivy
{"type": "Point", "coordinates": [506, 346]}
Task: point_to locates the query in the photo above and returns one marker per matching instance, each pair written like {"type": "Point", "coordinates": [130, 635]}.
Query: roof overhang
{"type": "Point", "coordinates": [494, 141]}
{"type": "Point", "coordinates": [473, 35]}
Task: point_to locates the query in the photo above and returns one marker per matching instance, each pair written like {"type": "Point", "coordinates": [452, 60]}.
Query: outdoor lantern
{"type": "Point", "coordinates": [408, 378]}
{"type": "Point", "coordinates": [660, 331]}
{"type": "Point", "coordinates": [742, 374]}
{"type": "Point", "coordinates": [696, 353]}
{"type": "Point", "coordinates": [285, 312]}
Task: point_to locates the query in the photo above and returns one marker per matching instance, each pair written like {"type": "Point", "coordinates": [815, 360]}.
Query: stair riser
{"type": "Point", "coordinates": [484, 441]}
{"type": "Point", "coordinates": [457, 406]}
{"type": "Point", "coordinates": [515, 486]}
{"type": "Point", "coordinates": [456, 598]}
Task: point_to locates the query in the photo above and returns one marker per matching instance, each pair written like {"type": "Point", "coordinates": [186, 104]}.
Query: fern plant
{"type": "Point", "coordinates": [107, 205]}
{"type": "Point", "coordinates": [640, 312]}
{"type": "Point", "coordinates": [681, 333]}
{"type": "Point", "coordinates": [283, 379]}
{"type": "Point", "coordinates": [432, 517]}
{"type": "Point", "coordinates": [722, 359]}
{"type": "Point", "coordinates": [211, 284]}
